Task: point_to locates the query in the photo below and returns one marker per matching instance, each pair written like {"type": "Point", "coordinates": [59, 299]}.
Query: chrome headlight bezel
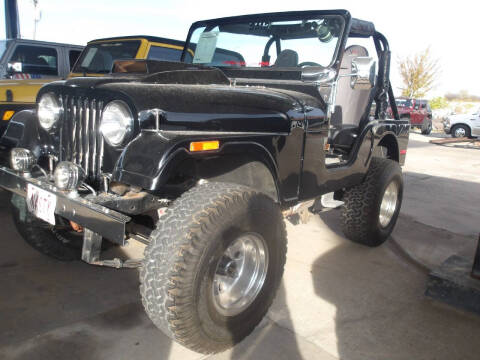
{"type": "Point", "coordinates": [116, 123]}
{"type": "Point", "coordinates": [49, 110]}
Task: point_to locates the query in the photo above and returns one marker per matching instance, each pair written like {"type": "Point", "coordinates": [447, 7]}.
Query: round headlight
{"type": "Point", "coordinates": [22, 160]}
{"type": "Point", "coordinates": [49, 110]}
{"type": "Point", "coordinates": [68, 176]}
{"type": "Point", "coordinates": [116, 123]}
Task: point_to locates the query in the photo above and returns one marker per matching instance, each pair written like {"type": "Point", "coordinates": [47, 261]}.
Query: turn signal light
{"type": "Point", "coordinates": [7, 115]}
{"type": "Point", "coordinates": [204, 145]}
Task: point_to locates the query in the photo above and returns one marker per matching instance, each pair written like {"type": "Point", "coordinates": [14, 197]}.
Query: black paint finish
{"type": "Point", "coordinates": [278, 123]}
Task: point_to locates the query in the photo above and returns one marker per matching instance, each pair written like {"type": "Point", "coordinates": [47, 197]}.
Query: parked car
{"type": "Point", "coordinates": [25, 66]}
{"type": "Point", "coordinates": [463, 125]}
{"type": "Point", "coordinates": [25, 76]}
{"type": "Point", "coordinates": [98, 57]}
{"type": "Point", "coordinates": [418, 111]}
{"type": "Point", "coordinates": [202, 159]}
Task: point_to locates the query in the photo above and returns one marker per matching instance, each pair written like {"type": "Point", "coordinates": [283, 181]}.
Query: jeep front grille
{"type": "Point", "coordinates": [80, 139]}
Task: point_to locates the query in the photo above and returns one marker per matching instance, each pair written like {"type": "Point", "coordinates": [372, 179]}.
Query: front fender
{"type": "Point", "coordinates": [153, 157]}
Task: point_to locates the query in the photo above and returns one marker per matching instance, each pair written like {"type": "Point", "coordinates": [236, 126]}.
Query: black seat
{"type": "Point", "coordinates": [350, 106]}
{"type": "Point", "coordinates": [342, 136]}
{"type": "Point", "coordinates": [287, 58]}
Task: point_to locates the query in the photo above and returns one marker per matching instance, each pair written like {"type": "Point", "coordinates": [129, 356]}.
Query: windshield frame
{"type": "Point", "coordinates": [5, 43]}
{"type": "Point", "coordinates": [278, 17]}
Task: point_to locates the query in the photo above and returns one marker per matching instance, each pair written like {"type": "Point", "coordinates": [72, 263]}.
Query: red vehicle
{"type": "Point", "coordinates": [417, 111]}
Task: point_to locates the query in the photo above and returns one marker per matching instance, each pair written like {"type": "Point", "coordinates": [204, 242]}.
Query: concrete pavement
{"type": "Point", "coordinates": [338, 300]}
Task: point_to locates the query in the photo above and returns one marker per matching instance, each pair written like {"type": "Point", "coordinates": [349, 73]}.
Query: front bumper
{"type": "Point", "coordinates": [446, 128]}
{"type": "Point", "coordinates": [108, 223]}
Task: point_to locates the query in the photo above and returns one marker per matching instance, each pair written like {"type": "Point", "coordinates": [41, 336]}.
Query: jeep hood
{"type": "Point", "coordinates": [196, 98]}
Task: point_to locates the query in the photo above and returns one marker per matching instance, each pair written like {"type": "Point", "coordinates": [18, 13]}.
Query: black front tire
{"type": "Point", "coordinates": [427, 127]}
{"type": "Point", "coordinates": [181, 262]}
{"type": "Point", "coordinates": [362, 203]}
{"type": "Point", "coordinates": [55, 242]}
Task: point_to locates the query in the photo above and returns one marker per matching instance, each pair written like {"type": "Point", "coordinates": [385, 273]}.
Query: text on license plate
{"type": "Point", "coordinates": [41, 203]}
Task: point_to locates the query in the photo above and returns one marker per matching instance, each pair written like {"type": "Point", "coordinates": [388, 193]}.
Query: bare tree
{"type": "Point", "coordinates": [419, 74]}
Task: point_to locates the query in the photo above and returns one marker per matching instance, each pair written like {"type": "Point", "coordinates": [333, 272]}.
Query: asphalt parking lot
{"type": "Point", "coordinates": [338, 300]}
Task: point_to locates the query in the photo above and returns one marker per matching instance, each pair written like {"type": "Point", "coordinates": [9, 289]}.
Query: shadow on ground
{"type": "Point", "coordinates": [381, 312]}
{"type": "Point", "coordinates": [57, 310]}
{"type": "Point", "coordinates": [443, 202]}
{"type": "Point", "coordinates": [271, 341]}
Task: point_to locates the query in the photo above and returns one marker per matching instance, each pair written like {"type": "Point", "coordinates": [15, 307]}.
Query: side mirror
{"type": "Point", "coordinates": [363, 73]}
{"type": "Point", "coordinates": [319, 76]}
{"type": "Point", "coordinates": [14, 67]}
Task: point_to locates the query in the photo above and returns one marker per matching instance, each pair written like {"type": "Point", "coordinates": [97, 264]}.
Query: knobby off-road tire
{"type": "Point", "coordinates": [426, 127]}
{"type": "Point", "coordinates": [183, 257]}
{"type": "Point", "coordinates": [57, 243]}
{"type": "Point", "coordinates": [361, 221]}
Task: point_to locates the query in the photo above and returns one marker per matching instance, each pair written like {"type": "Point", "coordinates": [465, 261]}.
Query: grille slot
{"type": "Point", "coordinates": [80, 138]}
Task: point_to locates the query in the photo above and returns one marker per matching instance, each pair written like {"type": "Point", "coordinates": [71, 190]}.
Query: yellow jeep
{"type": "Point", "coordinates": [28, 70]}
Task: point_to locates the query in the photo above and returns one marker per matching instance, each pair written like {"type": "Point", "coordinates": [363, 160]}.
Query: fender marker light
{"type": "Point", "coordinates": [403, 152]}
{"type": "Point", "coordinates": [7, 115]}
{"type": "Point", "coordinates": [204, 145]}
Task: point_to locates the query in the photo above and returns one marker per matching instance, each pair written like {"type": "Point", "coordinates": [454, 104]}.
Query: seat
{"type": "Point", "coordinates": [287, 58]}
{"type": "Point", "coordinates": [350, 104]}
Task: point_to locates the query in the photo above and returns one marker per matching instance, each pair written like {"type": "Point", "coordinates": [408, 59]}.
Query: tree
{"type": "Point", "coordinates": [438, 102]}
{"type": "Point", "coordinates": [419, 73]}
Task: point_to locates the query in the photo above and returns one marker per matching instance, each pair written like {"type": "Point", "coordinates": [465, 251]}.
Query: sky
{"type": "Point", "coordinates": [410, 26]}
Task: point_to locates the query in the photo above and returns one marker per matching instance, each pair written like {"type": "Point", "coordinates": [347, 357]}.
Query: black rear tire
{"type": "Point", "coordinates": [362, 203]}
{"type": "Point", "coordinates": [60, 244]}
{"type": "Point", "coordinates": [181, 262]}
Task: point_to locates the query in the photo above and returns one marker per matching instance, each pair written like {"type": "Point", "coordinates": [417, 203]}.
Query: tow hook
{"type": "Point", "coordinates": [92, 246]}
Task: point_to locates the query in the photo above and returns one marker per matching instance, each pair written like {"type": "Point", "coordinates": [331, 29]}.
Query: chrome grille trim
{"type": "Point", "coordinates": [80, 138]}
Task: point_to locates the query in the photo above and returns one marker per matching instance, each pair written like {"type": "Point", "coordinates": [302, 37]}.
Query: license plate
{"type": "Point", "coordinates": [41, 203]}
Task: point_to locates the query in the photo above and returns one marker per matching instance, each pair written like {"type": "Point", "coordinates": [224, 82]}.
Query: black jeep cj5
{"type": "Point", "coordinates": [202, 159]}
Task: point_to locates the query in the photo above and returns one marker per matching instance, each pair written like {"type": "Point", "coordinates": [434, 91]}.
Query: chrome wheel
{"type": "Point", "coordinates": [240, 274]}
{"type": "Point", "coordinates": [389, 204]}
{"type": "Point", "coordinates": [460, 132]}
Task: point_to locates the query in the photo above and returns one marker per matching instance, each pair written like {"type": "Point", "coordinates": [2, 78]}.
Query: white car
{"type": "Point", "coordinates": [463, 125]}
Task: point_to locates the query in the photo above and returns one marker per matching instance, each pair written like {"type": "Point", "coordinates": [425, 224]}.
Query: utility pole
{"type": "Point", "coordinates": [12, 23]}
{"type": "Point", "coordinates": [37, 17]}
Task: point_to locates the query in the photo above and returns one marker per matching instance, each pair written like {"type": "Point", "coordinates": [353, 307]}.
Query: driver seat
{"type": "Point", "coordinates": [350, 104]}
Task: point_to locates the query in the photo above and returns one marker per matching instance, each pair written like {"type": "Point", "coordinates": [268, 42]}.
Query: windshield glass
{"type": "Point", "coordinates": [98, 58]}
{"type": "Point", "coordinates": [293, 43]}
{"type": "Point", "coordinates": [404, 102]}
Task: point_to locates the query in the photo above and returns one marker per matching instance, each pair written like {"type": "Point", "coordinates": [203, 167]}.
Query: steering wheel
{"type": "Point", "coordinates": [308, 63]}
